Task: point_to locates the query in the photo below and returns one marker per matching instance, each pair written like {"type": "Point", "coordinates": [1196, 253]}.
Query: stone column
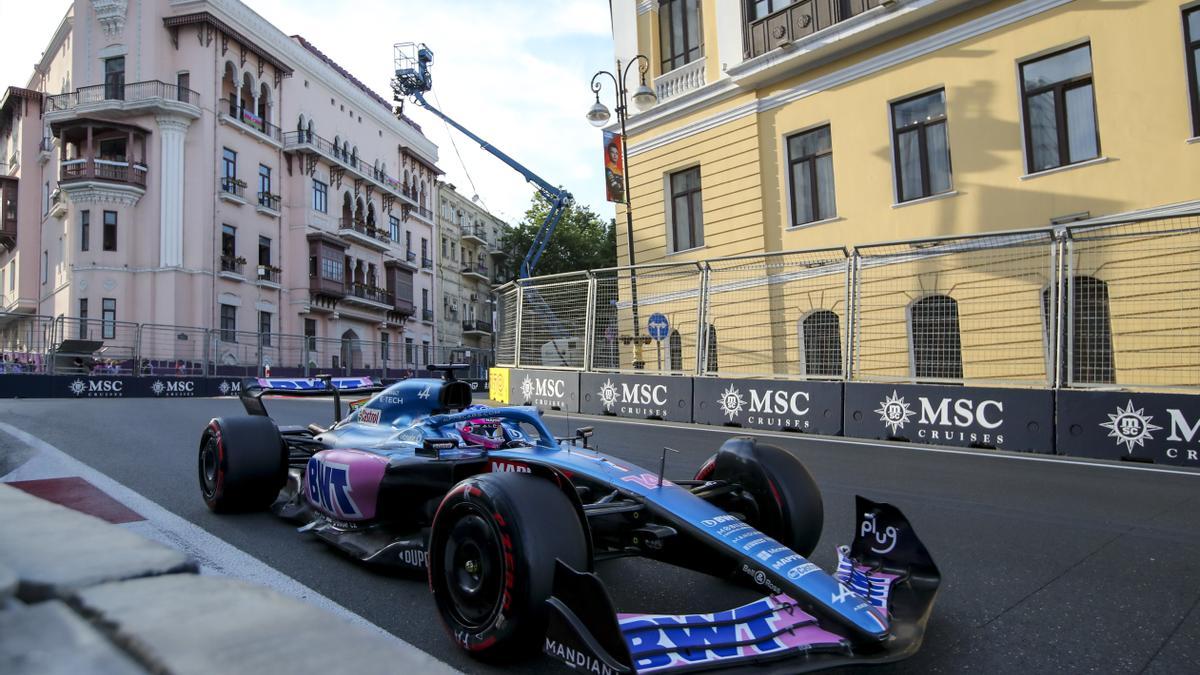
{"type": "Point", "coordinates": [172, 133]}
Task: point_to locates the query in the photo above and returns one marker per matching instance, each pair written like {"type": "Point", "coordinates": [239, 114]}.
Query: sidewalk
{"type": "Point", "coordinates": [80, 595]}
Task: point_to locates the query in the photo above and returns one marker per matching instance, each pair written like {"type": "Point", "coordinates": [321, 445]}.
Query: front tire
{"type": "Point", "coordinates": [492, 555]}
{"type": "Point", "coordinates": [242, 463]}
{"type": "Point", "coordinates": [779, 496]}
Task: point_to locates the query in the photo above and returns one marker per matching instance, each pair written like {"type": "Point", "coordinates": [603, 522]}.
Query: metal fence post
{"type": "Point", "coordinates": [1069, 318]}
{"type": "Point", "coordinates": [520, 313]}
{"type": "Point", "coordinates": [137, 350]}
{"type": "Point", "coordinates": [851, 313]}
{"type": "Point", "coordinates": [701, 319]}
{"type": "Point", "coordinates": [589, 323]}
{"type": "Point", "coordinates": [1054, 313]}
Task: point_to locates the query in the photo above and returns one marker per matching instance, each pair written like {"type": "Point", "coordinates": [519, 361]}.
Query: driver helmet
{"type": "Point", "coordinates": [484, 431]}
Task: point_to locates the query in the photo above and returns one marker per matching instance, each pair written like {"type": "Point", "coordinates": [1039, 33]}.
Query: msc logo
{"type": "Point", "coordinates": [632, 394]}
{"type": "Point", "coordinates": [1133, 427]}
{"type": "Point", "coordinates": [329, 488]}
{"type": "Point", "coordinates": [173, 388]}
{"type": "Point", "coordinates": [895, 412]}
{"type": "Point", "coordinates": [768, 402]}
{"type": "Point", "coordinates": [534, 388]}
{"type": "Point", "coordinates": [96, 388]}
{"type": "Point", "coordinates": [228, 387]}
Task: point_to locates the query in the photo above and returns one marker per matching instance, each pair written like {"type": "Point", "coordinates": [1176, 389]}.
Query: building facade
{"type": "Point", "coordinates": [187, 164]}
{"type": "Point", "coordinates": [469, 251]}
{"type": "Point", "coordinates": [823, 125]}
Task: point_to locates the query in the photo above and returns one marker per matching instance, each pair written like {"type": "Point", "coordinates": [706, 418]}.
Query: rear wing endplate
{"type": "Point", "coordinates": [254, 388]}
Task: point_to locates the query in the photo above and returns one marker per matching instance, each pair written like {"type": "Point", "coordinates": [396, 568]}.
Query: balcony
{"type": "Point", "coordinates": [245, 120]}
{"type": "Point", "coordinates": [427, 315]}
{"type": "Point", "coordinates": [269, 276]}
{"type": "Point", "coordinates": [370, 296]}
{"type": "Point", "coordinates": [58, 203]}
{"type": "Point", "coordinates": [403, 306]}
{"type": "Point", "coordinates": [475, 272]}
{"type": "Point", "coordinates": [233, 267]}
{"type": "Point", "coordinates": [419, 211]}
{"type": "Point", "coordinates": [268, 204]}
{"type": "Point", "coordinates": [426, 263]}
{"type": "Point", "coordinates": [330, 288]}
{"type": "Point", "coordinates": [8, 217]}
{"type": "Point", "coordinates": [112, 100]}
{"type": "Point", "coordinates": [45, 149]}
{"type": "Point", "coordinates": [680, 81]}
{"type": "Point", "coordinates": [359, 232]}
{"type": "Point", "coordinates": [76, 170]}
{"type": "Point", "coordinates": [303, 141]}
{"type": "Point", "coordinates": [476, 328]}
{"type": "Point", "coordinates": [475, 235]}
{"type": "Point", "coordinates": [233, 190]}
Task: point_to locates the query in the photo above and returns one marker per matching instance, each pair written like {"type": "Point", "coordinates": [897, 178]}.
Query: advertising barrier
{"type": "Point", "coordinates": [498, 385]}
{"type": "Point", "coordinates": [976, 417]}
{"type": "Point", "coordinates": [1130, 426]}
{"type": "Point", "coordinates": [777, 405]}
{"type": "Point", "coordinates": [546, 389]}
{"type": "Point", "coordinates": [659, 397]}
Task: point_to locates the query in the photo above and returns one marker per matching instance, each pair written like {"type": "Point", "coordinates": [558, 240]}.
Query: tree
{"type": "Point", "coordinates": [582, 240]}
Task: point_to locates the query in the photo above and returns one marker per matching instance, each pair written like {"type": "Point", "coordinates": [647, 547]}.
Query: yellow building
{"type": "Point", "coordinates": [822, 124]}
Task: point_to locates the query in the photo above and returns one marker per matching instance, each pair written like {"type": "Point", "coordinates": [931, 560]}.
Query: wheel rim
{"type": "Point", "coordinates": [473, 570]}
{"type": "Point", "coordinates": [209, 467]}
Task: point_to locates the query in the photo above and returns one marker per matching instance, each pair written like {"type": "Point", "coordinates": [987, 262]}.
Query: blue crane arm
{"type": "Point", "coordinates": [557, 197]}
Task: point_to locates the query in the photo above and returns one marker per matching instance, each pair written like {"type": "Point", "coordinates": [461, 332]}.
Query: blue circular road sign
{"type": "Point", "coordinates": [658, 326]}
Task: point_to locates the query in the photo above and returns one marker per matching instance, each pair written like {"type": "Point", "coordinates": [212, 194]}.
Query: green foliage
{"type": "Point", "coordinates": [582, 240]}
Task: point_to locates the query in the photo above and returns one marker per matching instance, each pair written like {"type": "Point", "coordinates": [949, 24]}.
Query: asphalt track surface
{"type": "Point", "coordinates": [1048, 566]}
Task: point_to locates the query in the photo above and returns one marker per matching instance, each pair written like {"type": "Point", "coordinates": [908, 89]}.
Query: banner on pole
{"type": "Point", "coordinates": [614, 167]}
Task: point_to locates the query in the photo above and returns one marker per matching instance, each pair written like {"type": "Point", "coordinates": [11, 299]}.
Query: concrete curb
{"type": "Point", "coordinates": [107, 600]}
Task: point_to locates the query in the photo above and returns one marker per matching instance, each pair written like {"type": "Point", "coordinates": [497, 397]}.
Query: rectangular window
{"type": "Point", "coordinates": [264, 328]}
{"type": "Point", "coordinates": [83, 312]}
{"type": "Point", "coordinates": [810, 176]}
{"type": "Point", "coordinates": [445, 248]}
{"type": "Point", "coordinates": [332, 269]}
{"type": "Point", "coordinates": [679, 32]}
{"type": "Point", "coordinates": [1060, 109]}
{"type": "Point", "coordinates": [409, 352]}
{"type": "Point", "coordinates": [687, 216]}
{"type": "Point", "coordinates": [920, 146]}
{"type": "Point", "coordinates": [264, 251]}
{"type": "Point", "coordinates": [407, 242]}
{"type": "Point", "coordinates": [385, 345]}
{"type": "Point", "coordinates": [45, 266]}
{"type": "Point", "coordinates": [424, 249]}
{"type": "Point", "coordinates": [114, 78]}
{"type": "Point", "coordinates": [394, 228]}
{"type": "Point", "coordinates": [108, 315]}
{"type": "Point", "coordinates": [425, 352]}
{"type": "Point", "coordinates": [264, 186]}
{"type": "Point", "coordinates": [183, 81]}
{"type": "Point", "coordinates": [46, 198]}
{"type": "Point", "coordinates": [229, 170]}
{"type": "Point", "coordinates": [310, 334]}
{"type": "Point", "coordinates": [109, 235]}
{"type": "Point", "coordinates": [228, 242]}
{"type": "Point", "coordinates": [320, 197]}
{"type": "Point", "coordinates": [228, 323]}
{"type": "Point", "coordinates": [1191, 19]}
{"type": "Point", "coordinates": [85, 222]}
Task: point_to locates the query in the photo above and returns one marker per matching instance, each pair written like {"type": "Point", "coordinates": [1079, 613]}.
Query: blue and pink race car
{"type": "Point", "coordinates": [508, 522]}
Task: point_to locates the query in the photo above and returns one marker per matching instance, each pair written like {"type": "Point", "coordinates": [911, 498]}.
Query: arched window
{"type": "Point", "coordinates": [264, 103]}
{"type": "Point", "coordinates": [675, 351]}
{"type": "Point", "coordinates": [935, 339]}
{"type": "Point", "coordinates": [337, 146]}
{"type": "Point", "coordinates": [821, 339]}
{"type": "Point", "coordinates": [371, 214]}
{"type": "Point", "coordinates": [347, 209]}
{"type": "Point", "coordinates": [309, 137]}
{"type": "Point", "coordinates": [247, 93]}
{"type": "Point", "coordinates": [359, 210]}
{"type": "Point", "coordinates": [354, 155]}
{"type": "Point", "coordinates": [1088, 328]}
{"type": "Point", "coordinates": [710, 349]}
{"type": "Point", "coordinates": [300, 125]}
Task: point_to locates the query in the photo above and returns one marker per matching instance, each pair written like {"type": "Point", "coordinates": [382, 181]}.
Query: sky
{"type": "Point", "coordinates": [515, 72]}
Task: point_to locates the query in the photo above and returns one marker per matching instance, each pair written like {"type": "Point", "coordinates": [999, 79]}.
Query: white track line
{"type": "Point", "coordinates": [918, 447]}
{"type": "Point", "coordinates": [214, 554]}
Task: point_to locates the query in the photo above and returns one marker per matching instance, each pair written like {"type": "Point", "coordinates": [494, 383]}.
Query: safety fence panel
{"type": "Point", "coordinates": [178, 351]}
{"type": "Point", "coordinates": [1133, 305]}
{"type": "Point", "coordinates": [91, 346]}
{"type": "Point", "coordinates": [956, 310]}
{"type": "Point", "coordinates": [507, 306]}
{"type": "Point", "coordinates": [553, 321]}
{"type": "Point", "coordinates": [646, 318]}
{"type": "Point", "coordinates": [246, 354]}
{"type": "Point", "coordinates": [24, 342]}
{"type": "Point", "coordinates": [776, 315]}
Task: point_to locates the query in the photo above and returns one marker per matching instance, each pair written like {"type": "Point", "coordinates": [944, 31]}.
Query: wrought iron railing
{"type": "Point", "coordinates": [297, 139]}
{"type": "Point", "coordinates": [132, 92]}
{"type": "Point", "coordinates": [268, 201]}
{"type": "Point", "coordinates": [233, 264]}
{"type": "Point", "coordinates": [248, 118]}
{"type": "Point", "coordinates": [233, 186]}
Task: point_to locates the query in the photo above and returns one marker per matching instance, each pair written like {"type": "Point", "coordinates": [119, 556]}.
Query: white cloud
{"type": "Point", "coordinates": [515, 72]}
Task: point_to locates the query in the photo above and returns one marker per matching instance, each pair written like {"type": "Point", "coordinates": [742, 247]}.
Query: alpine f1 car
{"type": "Point", "coordinates": [508, 522]}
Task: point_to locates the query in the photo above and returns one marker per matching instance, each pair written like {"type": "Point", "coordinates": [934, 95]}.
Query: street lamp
{"type": "Point", "coordinates": [598, 115]}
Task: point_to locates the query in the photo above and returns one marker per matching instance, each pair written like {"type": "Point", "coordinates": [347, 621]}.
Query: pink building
{"type": "Point", "coordinates": [188, 164]}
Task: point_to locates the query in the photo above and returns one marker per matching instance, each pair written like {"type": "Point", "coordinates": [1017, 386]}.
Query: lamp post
{"type": "Point", "coordinates": [598, 115]}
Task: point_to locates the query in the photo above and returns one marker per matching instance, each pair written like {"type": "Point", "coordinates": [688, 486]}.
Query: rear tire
{"type": "Point", "coordinates": [779, 496]}
{"type": "Point", "coordinates": [492, 554]}
{"type": "Point", "coordinates": [242, 463]}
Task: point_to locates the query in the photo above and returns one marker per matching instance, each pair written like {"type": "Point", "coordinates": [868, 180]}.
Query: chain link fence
{"type": "Point", "coordinates": [1100, 304]}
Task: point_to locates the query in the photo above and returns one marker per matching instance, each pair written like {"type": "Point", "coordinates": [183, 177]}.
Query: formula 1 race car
{"type": "Point", "coordinates": [508, 521]}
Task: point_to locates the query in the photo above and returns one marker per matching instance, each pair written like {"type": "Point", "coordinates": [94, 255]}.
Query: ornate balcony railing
{"type": "Point", "coordinates": [363, 228]}
{"type": "Point", "coordinates": [296, 140]}
{"type": "Point", "coordinates": [268, 201]}
{"type": "Point", "coordinates": [103, 169]}
{"type": "Point", "coordinates": [247, 117]}
{"type": "Point", "coordinates": [233, 186]}
{"type": "Point", "coordinates": [132, 92]}
{"type": "Point", "coordinates": [233, 264]}
{"type": "Point", "coordinates": [796, 21]}
{"type": "Point", "coordinates": [371, 293]}
{"type": "Point", "coordinates": [680, 81]}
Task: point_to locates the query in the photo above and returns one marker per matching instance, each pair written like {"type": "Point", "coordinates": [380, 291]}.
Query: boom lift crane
{"type": "Point", "coordinates": [413, 79]}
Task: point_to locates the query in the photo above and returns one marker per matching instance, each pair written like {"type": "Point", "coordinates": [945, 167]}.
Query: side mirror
{"type": "Point", "coordinates": [583, 434]}
{"type": "Point", "coordinates": [433, 447]}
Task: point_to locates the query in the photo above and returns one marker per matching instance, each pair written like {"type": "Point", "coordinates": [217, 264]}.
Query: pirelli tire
{"type": "Point", "coordinates": [492, 553]}
{"type": "Point", "coordinates": [242, 463]}
{"type": "Point", "coordinates": [778, 495]}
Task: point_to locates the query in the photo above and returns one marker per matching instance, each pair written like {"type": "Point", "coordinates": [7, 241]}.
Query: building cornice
{"type": "Point", "coordinates": [726, 89]}
{"type": "Point", "coordinates": [56, 42]}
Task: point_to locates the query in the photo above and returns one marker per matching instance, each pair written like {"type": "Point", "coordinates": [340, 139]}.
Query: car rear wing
{"type": "Point", "coordinates": [254, 388]}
